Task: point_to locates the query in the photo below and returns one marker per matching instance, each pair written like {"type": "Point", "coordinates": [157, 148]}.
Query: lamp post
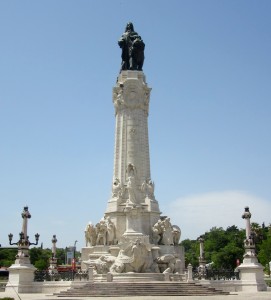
{"type": "Point", "coordinates": [23, 242]}
{"type": "Point", "coordinates": [251, 271]}
{"type": "Point", "coordinates": [21, 273]}
{"type": "Point", "coordinates": [249, 242]}
{"type": "Point", "coordinates": [74, 249]}
{"type": "Point", "coordinates": [202, 261]}
{"type": "Point", "coordinates": [53, 260]}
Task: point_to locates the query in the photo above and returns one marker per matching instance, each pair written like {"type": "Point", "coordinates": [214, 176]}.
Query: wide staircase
{"type": "Point", "coordinates": [114, 289]}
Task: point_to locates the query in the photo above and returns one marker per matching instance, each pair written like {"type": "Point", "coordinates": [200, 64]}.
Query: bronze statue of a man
{"type": "Point", "coordinates": [132, 49]}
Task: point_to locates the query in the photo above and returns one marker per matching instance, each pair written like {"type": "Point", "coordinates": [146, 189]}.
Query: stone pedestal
{"type": "Point", "coordinates": [21, 277]}
{"type": "Point", "coordinates": [252, 275]}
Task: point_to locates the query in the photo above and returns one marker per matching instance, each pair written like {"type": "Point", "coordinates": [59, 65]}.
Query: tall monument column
{"type": "Point", "coordinates": [132, 188]}
{"type": "Point", "coordinates": [132, 207]}
{"type": "Point", "coordinates": [132, 236]}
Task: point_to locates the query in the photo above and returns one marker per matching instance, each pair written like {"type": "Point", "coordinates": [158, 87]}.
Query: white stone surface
{"type": "Point", "coordinates": [133, 208]}
{"type": "Point", "coordinates": [252, 277]}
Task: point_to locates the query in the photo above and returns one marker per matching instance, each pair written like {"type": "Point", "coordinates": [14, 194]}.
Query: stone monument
{"type": "Point", "coordinates": [21, 273]}
{"type": "Point", "coordinates": [52, 270]}
{"type": "Point", "coordinates": [202, 261]}
{"type": "Point", "coordinates": [251, 271]}
{"type": "Point", "coordinates": [132, 236]}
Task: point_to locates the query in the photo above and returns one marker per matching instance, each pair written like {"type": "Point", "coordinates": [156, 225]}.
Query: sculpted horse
{"type": "Point", "coordinates": [137, 54]}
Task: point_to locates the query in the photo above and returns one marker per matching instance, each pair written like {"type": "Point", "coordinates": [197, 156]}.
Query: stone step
{"type": "Point", "coordinates": [111, 289]}
{"type": "Point", "coordinates": [139, 277]}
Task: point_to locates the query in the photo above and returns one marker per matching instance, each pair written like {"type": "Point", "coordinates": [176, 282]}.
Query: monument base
{"type": "Point", "coordinates": [20, 276]}
{"type": "Point", "coordinates": [252, 275]}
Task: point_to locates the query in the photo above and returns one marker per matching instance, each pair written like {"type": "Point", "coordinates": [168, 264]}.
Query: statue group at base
{"type": "Point", "coordinates": [101, 234]}
{"type": "Point", "coordinates": [135, 256]}
{"type": "Point", "coordinates": [164, 233]}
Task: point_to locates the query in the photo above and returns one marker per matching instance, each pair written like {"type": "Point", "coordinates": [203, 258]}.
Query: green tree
{"type": "Point", "coordinates": [222, 247]}
{"type": "Point", "coordinates": [7, 257]}
{"type": "Point", "coordinates": [191, 252]}
{"type": "Point", "coordinates": [264, 254]}
{"type": "Point", "coordinates": [61, 255]}
{"type": "Point", "coordinates": [41, 264]}
{"type": "Point", "coordinates": [40, 257]}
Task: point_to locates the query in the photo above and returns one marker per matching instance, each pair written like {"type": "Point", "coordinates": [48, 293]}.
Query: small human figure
{"type": "Point", "coordinates": [90, 235]}
{"type": "Point", "coordinates": [101, 233]}
{"type": "Point", "coordinates": [176, 231]}
{"type": "Point", "coordinates": [148, 188]}
{"type": "Point", "coordinates": [157, 232]}
{"type": "Point", "coordinates": [131, 171]}
{"type": "Point", "coordinates": [167, 238]}
{"type": "Point", "coordinates": [131, 187]}
{"type": "Point", "coordinates": [110, 237]}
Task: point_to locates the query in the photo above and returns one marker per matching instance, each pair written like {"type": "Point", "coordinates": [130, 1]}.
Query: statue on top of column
{"type": "Point", "coordinates": [132, 49]}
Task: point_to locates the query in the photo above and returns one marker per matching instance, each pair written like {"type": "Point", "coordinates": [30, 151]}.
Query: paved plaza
{"type": "Point", "coordinates": [233, 296]}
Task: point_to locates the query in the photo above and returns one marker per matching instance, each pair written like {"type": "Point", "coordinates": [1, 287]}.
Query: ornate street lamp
{"type": "Point", "coordinates": [53, 272]}
{"type": "Point", "coordinates": [23, 242]}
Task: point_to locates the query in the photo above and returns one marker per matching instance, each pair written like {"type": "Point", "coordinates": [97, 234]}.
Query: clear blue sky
{"type": "Point", "coordinates": [208, 63]}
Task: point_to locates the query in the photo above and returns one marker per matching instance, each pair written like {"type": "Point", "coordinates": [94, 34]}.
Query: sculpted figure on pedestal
{"type": "Point", "coordinates": [164, 233]}
{"type": "Point", "coordinates": [167, 238]}
{"type": "Point", "coordinates": [110, 237]}
{"type": "Point", "coordinates": [147, 188]}
{"type": "Point", "coordinates": [132, 49]}
{"type": "Point", "coordinates": [101, 229]}
{"type": "Point", "coordinates": [176, 234]}
{"type": "Point", "coordinates": [157, 232]}
{"type": "Point", "coordinates": [90, 235]}
{"type": "Point", "coordinates": [131, 187]}
{"type": "Point", "coordinates": [131, 170]}
{"type": "Point", "coordinates": [131, 184]}
{"type": "Point", "coordinates": [147, 97]}
{"type": "Point", "coordinates": [118, 98]}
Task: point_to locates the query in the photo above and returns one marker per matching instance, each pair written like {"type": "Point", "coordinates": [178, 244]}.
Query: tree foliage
{"type": "Point", "coordinates": [222, 247]}
{"type": "Point", "coordinates": [7, 257]}
{"type": "Point", "coordinates": [38, 257]}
